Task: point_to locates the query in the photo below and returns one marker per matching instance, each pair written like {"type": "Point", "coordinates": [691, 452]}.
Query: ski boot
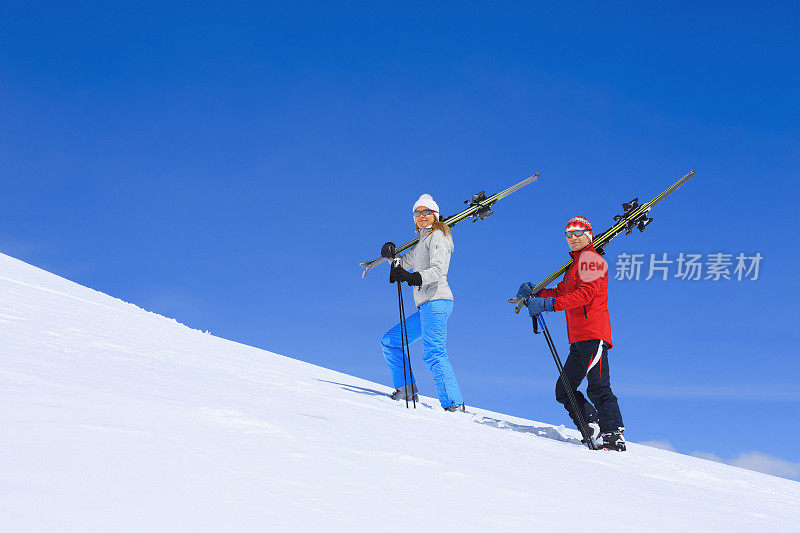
{"type": "Point", "coordinates": [456, 408]}
{"type": "Point", "coordinates": [613, 440]}
{"type": "Point", "coordinates": [404, 393]}
{"type": "Point", "coordinates": [594, 433]}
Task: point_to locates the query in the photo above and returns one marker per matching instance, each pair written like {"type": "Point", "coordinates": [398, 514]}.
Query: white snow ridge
{"type": "Point", "coordinates": [116, 419]}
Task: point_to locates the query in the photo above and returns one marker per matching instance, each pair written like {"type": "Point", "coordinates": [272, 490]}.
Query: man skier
{"type": "Point", "coordinates": [583, 296]}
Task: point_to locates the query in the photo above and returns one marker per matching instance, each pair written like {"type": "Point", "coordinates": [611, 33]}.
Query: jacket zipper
{"type": "Point", "coordinates": [584, 312]}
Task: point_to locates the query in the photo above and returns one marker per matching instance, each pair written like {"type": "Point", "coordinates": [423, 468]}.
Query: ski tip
{"type": "Point", "coordinates": [519, 302]}
{"type": "Point", "coordinates": [369, 265]}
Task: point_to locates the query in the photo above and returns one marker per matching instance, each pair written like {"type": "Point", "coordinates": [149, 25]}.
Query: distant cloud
{"type": "Point", "coordinates": [661, 444]}
{"type": "Point", "coordinates": [760, 462]}
{"type": "Point", "coordinates": [708, 456]}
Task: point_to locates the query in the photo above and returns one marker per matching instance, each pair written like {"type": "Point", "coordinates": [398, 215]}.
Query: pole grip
{"type": "Point", "coordinates": [535, 325]}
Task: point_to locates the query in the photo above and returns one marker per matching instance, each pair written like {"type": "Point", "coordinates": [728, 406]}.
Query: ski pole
{"type": "Point", "coordinates": [582, 426]}
{"type": "Point", "coordinates": [402, 341]}
{"type": "Point", "coordinates": [403, 333]}
{"type": "Point", "coordinates": [407, 349]}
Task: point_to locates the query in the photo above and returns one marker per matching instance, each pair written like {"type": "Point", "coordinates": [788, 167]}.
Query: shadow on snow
{"type": "Point", "coordinates": [357, 389]}
{"type": "Point", "coordinates": [547, 432]}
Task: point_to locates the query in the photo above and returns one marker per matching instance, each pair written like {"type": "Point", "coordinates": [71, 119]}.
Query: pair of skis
{"type": "Point", "coordinates": [634, 216]}
{"type": "Point", "coordinates": [479, 208]}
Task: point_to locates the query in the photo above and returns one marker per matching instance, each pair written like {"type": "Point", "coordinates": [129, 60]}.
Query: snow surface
{"type": "Point", "coordinates": [117, 419]}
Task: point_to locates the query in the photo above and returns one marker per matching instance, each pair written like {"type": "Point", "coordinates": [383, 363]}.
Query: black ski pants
{"type": "Point", "coordinates": [590, 359]}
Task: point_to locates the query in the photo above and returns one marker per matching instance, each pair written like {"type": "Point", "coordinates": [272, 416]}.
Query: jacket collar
{"type": "Point", "coordinates": [589, 247]}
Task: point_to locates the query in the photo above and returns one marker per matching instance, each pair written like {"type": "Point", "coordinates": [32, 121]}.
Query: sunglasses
{"type": "Point", "coordinates": [576, 233]}
{"type": "Point", "coordinates": [423, 213]}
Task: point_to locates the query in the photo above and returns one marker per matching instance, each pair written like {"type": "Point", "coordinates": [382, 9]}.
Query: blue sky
{"type": "Point", "coordinates": [229, 165]}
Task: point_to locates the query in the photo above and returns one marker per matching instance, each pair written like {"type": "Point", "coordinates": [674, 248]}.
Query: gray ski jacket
{"type": "Point", "coordinates": [431, 258]}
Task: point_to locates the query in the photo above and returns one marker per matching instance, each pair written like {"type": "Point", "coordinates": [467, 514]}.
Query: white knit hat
{"type": "Point", "coordinates": [426, 200]}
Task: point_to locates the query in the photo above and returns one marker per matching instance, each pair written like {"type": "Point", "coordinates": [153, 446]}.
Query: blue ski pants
{"type": "Point", "coordinates": [429, 323]}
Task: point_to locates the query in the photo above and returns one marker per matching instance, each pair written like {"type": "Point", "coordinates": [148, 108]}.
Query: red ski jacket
{"type": "Point", "coordinates": [585, 303]}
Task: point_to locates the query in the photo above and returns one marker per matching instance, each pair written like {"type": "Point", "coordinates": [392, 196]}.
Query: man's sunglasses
{"type": "Point", "coordinates": [423, 213]}
{"type": "Point", "coordinates": [576, 233]}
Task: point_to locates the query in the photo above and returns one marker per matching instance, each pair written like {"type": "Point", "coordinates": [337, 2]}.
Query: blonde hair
{"type": "Point", "coordinates": [437, 225]}
{"type": "Point", "coordinates": [441, 226]}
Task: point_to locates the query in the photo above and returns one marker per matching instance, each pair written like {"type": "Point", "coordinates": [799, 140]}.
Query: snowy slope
{"type": "Point", "coordinates": [116, 419]}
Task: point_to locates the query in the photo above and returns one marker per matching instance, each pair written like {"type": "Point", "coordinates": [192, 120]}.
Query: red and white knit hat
{"type": "Point", "coordinates": [576, 223]}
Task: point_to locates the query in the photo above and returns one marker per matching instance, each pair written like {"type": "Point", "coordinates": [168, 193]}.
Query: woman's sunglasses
{"type": "Point", "coordinates": [423, 213]}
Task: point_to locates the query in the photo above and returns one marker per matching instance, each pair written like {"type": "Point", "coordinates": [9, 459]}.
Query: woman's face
{"type": "Point", "coordinates": [422, 220]}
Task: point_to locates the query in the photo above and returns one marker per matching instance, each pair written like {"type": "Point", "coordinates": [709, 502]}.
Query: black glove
{"type": "Point", "coordinates": [387, 250]}
{"type": "Point", "coordinates": [400, 274]}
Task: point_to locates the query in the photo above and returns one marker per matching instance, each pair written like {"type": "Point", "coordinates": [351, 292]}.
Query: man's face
{"type": "Point", "coordinates": [578, 242]}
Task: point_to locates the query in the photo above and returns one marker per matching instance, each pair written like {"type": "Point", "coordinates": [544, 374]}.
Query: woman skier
{"type": "Point", "coordinates": [429, 259]}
